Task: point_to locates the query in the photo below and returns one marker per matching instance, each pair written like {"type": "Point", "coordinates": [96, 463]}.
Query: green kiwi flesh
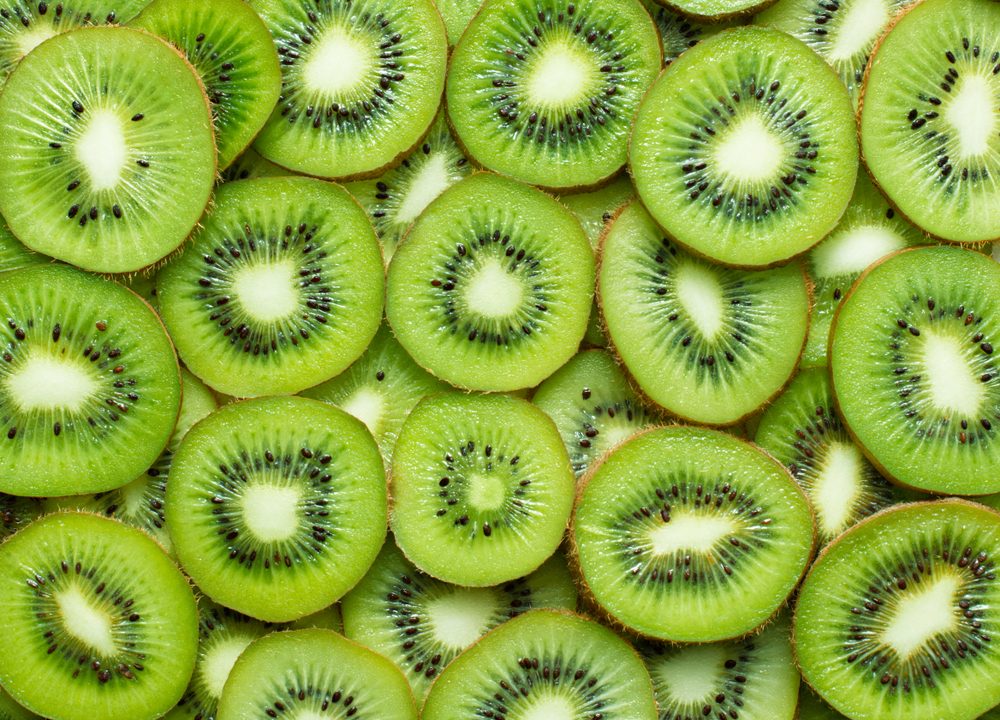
{"type": "Point", "coordinates": [250, 165]}
{"type": "Point", "coordinates": [13, 254]}
{"type": "Point", "coordinates": [17, 512]}
{"type": "Point", "coordinates": [678, 32]}
{"type": "Point", "coordinates": [456, 15]}
{"type": "Point", "coordinates": [10, 710]}
{"type": "Point", "coordinates": [714, 11]}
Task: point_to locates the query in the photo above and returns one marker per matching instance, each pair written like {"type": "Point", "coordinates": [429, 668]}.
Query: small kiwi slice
{"type": "Point", "coordinates": [706, 342]}
{"type": "Point", "coordinates": [89, 384]}
{"type": "Point", "coordinates": [914, 369]}
{"type": "Point", "coordinates": [897, 617]}
{"type": "Point", "coordinates": [481, 488]}
{"type": "Point", "coordinates": [691, 535]}
{"type": "Point", "coordinates": [361, 82]}
{"type": "Point", "coordinates": [329, 618]}
{"type": "Point", "coordinates": [280, 289]}
{"type": "Point", "coordinates": [545, 90]}
{"type": "Point", "coordinates": [928, 118]}
{"type": "Point", "coordinates": [456, 15]}
{"type": "Point", "coordinates": [314, 674]}
{"type": "Point", "coordinates": [97, 621]}
{"type": "Point", "coordinates": [757, 162]}
{"type": "Point", "coordinates": [17, 512]}
{"type": "Point", "coordinates": [678, 31]}
{"type": "Point", "coordinates": [717, 10]}
{"type": "Point", "coordinates": [99, 166]}
{"type": "Point", "coordinates": [10, 710]}
{"type": "Point", "coordinates": [251, 165]}
{"type": "Point", "coordinates": [231, 48]}
{"type": "Point", "coordinates": [13, 254]}
{"type": "Point", "coordinates": [812, 707]}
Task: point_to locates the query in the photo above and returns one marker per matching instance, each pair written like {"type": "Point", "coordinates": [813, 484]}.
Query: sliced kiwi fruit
{"type": "Point", "coordinates": [678, 31]}
{"type": "Point", "coordinates": [545, 664]}
{"type": "Point", "coordinates": [757, 161]}
{"type": "Point", "coordinates": [691, 535]}
{"type": "Point", "coordinates": [456, 15]}
{"type": "Point", "coordinates": [143, 284]}
{"type": "Point", "coordinates": [279, 289]}
{"type": "Point", "coordinates": [717, 10]}
{"type": "Point", "coordinates": [16, 513]}
{"type": "Point", "coordinates": [99, 166]}
{"type": "Point", "coordinates": [251, 165]}
{"type": "Point", "coordinates": [13, 254]}
{"type": "Point", "coordinates": [361, 82]}
{"type": "Point", "coordinates": [481, 488]}
{"type": "Point", "coordinates": [231, 48]}
{"type": "Point", "coordinates": [314, 674]}
{"type": "Point", "coordinates": [329, 618]}
{"type": "Point", "coordinates": [545, 90]}
{"type": "Point", "coordinates": [89, 384]}
{"type": "Point", "coordinates": [97, 621]}
{"type": "Point", "coordinates": [914, 369]}
{"type": "Point", "coordinates": [897, 617]}
{"type": "Point", "coordinates": [812, 707]}
{"type": "Point", "coordinates": [277, 506]}
{"type": "Point", "coordinates": [706, 342]}
{"type": "Point", "coordinates": [928, 118]}
{"type": "Point", "coordinates": [10, 710]}
{"type": "Point", "coordinates": [492, 288]}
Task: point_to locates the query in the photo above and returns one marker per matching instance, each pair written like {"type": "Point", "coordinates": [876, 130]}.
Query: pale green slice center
{"type": "Point", "coordinates": [563, 75]}
{"type": "Point", "coordinates": [459, 618]}
{"type": "Point", "coordinates": [430, 180]}
{"type": "Point", "coordinates": [851, 252]}
{"type": "Point", "coordinates": [86, 622]}
{"type": "Point", "coordinates": [700, 294]}
{"type": "Point", "coordinates": [951, 380]}
{"type": "Point", "coordinates": [861, 22]}
{"type": "Point", "coordinates": [548, 706]}
{"type": "Point", "coordinates": [972, 112]}
{"type": "Point", "coordinates": [271, 511]}
{"type": "Point", "coordinates": [486, 491]}
{"type": "Point", "coordinates": [366, 405]}
{"type": "Point", "coordinates": [218, 662]}
{"type": "Point", "coordinates": [690, 532]}
{"type": "Point", "coordinates": [45, 382]}
{"type": "Point", "coordinates": [922, 615]}
{"type": "Point", "coordinates": [339, 62]}
{"type": "Point", "coordinates": [749, 152]}
{"type": "Point", "coordinates": [836, 487]}
{"type": "Point", "coordinates": [493, 292]}
{"type": "Point", "coordinates": [267, 290]}
{"type": "Point", "coordinates": [102, 149]}
{"type": "Point", "coordinates": [692, 674]}
{"type": "Point", "coordinates": [29, 40]}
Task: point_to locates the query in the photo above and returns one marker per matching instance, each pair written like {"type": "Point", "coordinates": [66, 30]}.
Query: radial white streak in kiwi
{"type": "Point", "coordinates": [51, 383]}
{"type": "Point", "coordinates": [972, 112]}
{"type": "Point", "coordinates": [338, 62]}
{"type": "Point", "coordinates": [85, 622]}
{"type": "Point", "coordinates": [615, 435]}
{"type": "Point", "coordinates": [486, 491]}
{"type": "Point", "coordinates": [30, 39]}
{"type": "Point", "coordinates": [561, 76]}
{"type": "Point", "coordinates": [218, 662]}
{"type": "Point", "coordinates": [271, 511]}
{"type": "Point", "coordinates": [836, 486]}
{"type": "Point", "coordinates": [692, 533]}
{"type": "Point", "coordinates": [306, 714]}
{"type": "Point", "coordinates": [462, 616]}
{"type": "Point", "coordinates": [547, 706]}
{"type": "Point", "coordinates": [430, 180]}
{"type": "Point", "coordinates": [700, 295]}
{"type": "Point", "coordinates": [952, 383]}
{"type": "Point", "coordinates": [267, 291]}
{"type": "Point", "coordinates": [102, 148]}
{"type": "Point", "coordinates": [749, 151]}
{"type": "Point", "coordinates": [493, 292]}
{"type": "Point", "coordinates": [691, 674]}
{"type": "Point", "coordinates": [852, 251]}
{"type": "Point", "coordinates": [921, 615]}
{"type": "Point", "coordinates": [367, 406]}
{"type": "Point", "coordinates": [861, 22]}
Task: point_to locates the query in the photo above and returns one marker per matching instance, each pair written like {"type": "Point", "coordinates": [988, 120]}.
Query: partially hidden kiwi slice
{"type": "Point", "coordinates": [456, 15]}
{"type": "Point", "coordinates": [678, 31]}
{"type": "Point", "coordinates": [16, 513]}
{"type": "Point", "coordinates": [897, 618]}
{"type": "Point", "coordinates": [745, 149]}
{"type": "Point", "coordinates": [89, 384]}
{"type": "Point", "coordinates": [716, 10]}
{"type": "Point", "coordinates": [13, 254]}
{"type": "Point", "coordinates": [812, 707]}
{"type": "Point", "coordinates": [914, 369]}
{"type": "Point", "coordinates": [97, 621]}
{"type": "Point", "coordinates": [251, 165]}
{"type": "Point", "coordinates": [99, 166]}
{"type": "Point", "coordinates": [10, 710]}
{"type": "Point", "coordinates": [691, 535]}
{"type": "Point", "coordinates": [545, 90]}
{"type": "Point", "coordinates": [706, 342]}
{"type": "Point", "coordinates": [928, 118]}
{"type": "Point", "coordinates": [277, 506]}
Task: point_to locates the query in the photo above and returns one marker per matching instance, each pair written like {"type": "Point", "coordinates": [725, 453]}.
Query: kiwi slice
{"type": "Point", "coordinates": [706, 342]}
{"type": "Point", "coordinates": [717, 10]}
{"type": "Point", "coordinates": [481, 488]}
{"type": "Point", "coordinates": [251, 165]}
{"type": "Point", "coordinates": [97, 621]}
{"type": "Point", "coordinates": [99, 166]}
{"type": "Point", "coordinates": [914, 370]}
{"type": "Point", "coordinates": [279, 289]}
{"type": "Point", "coordinates": [16, 513]}
{"type": "Point", "coordinates": [231, 48]}
{"type": "Point", "coordinates": [678, 31]}
{"type": "Point", "coordinates": [456, 15]}
{"type": "Point", "coordinates": [545, 90]}
{"type": "Point", "coordinates": [329, 618]}
{"type": "Point", "coordinates": [691, 535]}
{"type": "Point", "coordinates": [361, 82]}
{"type": "Point", "coordinates": [545, 664]}
{"type": "Point", "coordinates": [928, 118]}
{"type": "Point", "coordinates": [757, 160]}
{"type": "Point", "coordinates": [10, 710]}
{"type": "Point", "coordinates": [812, 707]}
{"type": "Point", "coordinates": [89, 384]}
{"type": "Point", "coordinates": [13, 254]}
{"type": "Point", "coordinates": [896, 618]}
{"type": "Point", "coordinates": [277, 506]}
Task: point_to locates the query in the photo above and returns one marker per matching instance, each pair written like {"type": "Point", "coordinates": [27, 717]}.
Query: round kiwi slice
{"type": "Point", "coordinates": [314, 673]}
{"type": "Point", "coordinates": [928, 118]}
{"type": "Point", "coordinates": [89, 384]}
{"type": "Point", "coordinates": [231, 48]}
{"type": "Point", "coordinates": [13, 254]}
{"type": "Point", "coordinates": [758, 161]}
{"type": "Point", "coordinates": [277, 506]}
{"type": "Point", "coordinates": [897, 617]}
{"type": "Point", "coordinates": [97, 621]}
{"type": "Point", "coordinates": [691, 535]}
{"type": "Point", "coordinates": [706, 342]}
{"type": "Point", "coordinates": [545, 90]}
{"type": "Point", "coordinates": [361, 82]}
{"type": "Point", "coordinates": [492, 288]}
{"type": "Point", "coordinates": [545, 664]}
{"type": "Point", "coordinates": [99, 166]}
{"type": "Point", "coordinates": [10, 710]}
{"type": "Point", "coordinates": [481, 488]}
{"type": "Point", "coordinates": [251, 165]}
{"type": "Point", "coordinates": [279, 289]}
{"type": "Point", "coordinates": [914, 369]}
{"type": "Point", "coordinates": [678, 32]}
{"type": "Point", "coordinates": [716, 10]}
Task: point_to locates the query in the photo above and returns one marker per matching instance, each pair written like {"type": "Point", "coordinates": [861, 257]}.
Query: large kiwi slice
{"type": "Point", "coordinates": [545, 90]}
{"type": "Point", "coordinates": [97, 621]}
{"type": "Point", "coordinates": [928, 118]}
{"type": "Point", "coordinates": [280, 288]}
{"type": "Point", "coordinates": [361, 82]}
{"type": "Point", "coordinates": [915, 372]}
{"type": "Point", "coordinates": [691, 535]}
{"type": "Point", "coordinates": [708, 343]}
{"type": "Point", "coordinates": [89, 385]}
{"type": "Point", "coordinates": [99, 166]}
{"type": "Point", "coordinates": [745, 148]}
{"type": "Point", "coordinates": [897, 618]}
{"type": "Point", "coordinates": [492, 288]}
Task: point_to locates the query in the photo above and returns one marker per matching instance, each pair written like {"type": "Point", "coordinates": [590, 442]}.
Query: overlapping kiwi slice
{"type": "Point", "coordinates": [716, 10]}
{"type": "Point", "coordinates": [456, 15]}
{"type": "Point", "coordinates": [10, 710]}
{"type": "Point", "coordinates": [16, 513]}
{"type": "Point", "coordinates": [915, 372]}
{"type": "Point", "coordinates": [678, 32]}
{"type": "Point", "coordinates": [745, 149]}
{"type": "Point", "coordinates": [251, 165]}
{"type": "Point", "coordinates": [13, 254]}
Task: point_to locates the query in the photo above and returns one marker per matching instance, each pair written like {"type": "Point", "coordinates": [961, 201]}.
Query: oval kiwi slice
{"type": "Point", "coordinates": [99, 166]}
{"type": "Point", "coordinates": [745, 149]}
{"type": "Point", "coordinates": [277, 506]}
{"type": "Point", "coordinates": [97, 621]}
{"type": "Point", "coordinates": [691, 535]}
{"type": "Point", "coordinates": [896, 620]}
{"type": "Point", "coordinates": [914, 369]}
